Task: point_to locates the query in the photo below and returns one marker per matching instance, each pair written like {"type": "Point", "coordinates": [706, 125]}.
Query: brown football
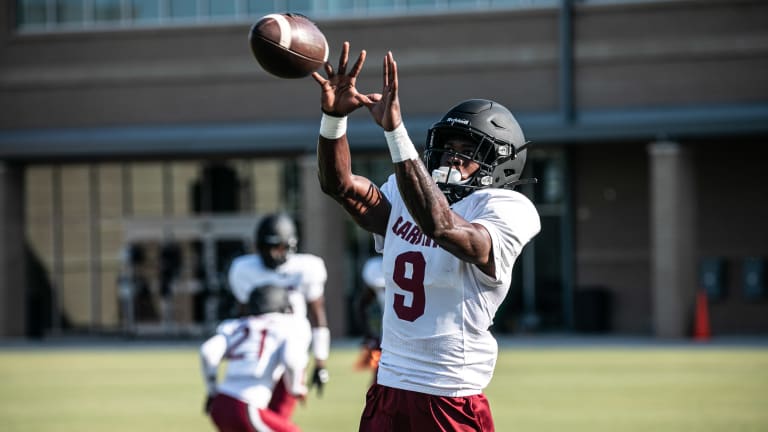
{"type": "Point", "coordinates": [288, 45]}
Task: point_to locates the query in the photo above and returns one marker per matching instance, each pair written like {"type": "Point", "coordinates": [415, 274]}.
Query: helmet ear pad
{"type": "Point", "coordinates": [508, 171]}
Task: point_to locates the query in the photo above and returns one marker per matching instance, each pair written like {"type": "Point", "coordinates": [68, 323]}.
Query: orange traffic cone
{"type": "Point", "coordinates": [701, 332]}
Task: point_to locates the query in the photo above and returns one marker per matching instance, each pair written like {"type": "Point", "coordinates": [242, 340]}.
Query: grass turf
{"type": "Point", "coordinates": [568, 389]}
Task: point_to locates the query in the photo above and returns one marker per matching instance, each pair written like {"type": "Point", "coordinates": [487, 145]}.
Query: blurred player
{"type": "Point", "coordinates": [303, 275]}
{"type": "Point", "coordinates": [450, 229]}
{"type": "Point", "coordinates": [266, 345]}
{"type": "Point", "coordinates": [369, 308]}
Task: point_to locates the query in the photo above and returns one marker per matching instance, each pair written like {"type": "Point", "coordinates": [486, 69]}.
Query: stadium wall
{"type": "Point", "coordinates": [690, 72]}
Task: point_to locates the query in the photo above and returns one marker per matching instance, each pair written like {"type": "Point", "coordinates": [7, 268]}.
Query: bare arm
{"type": "Point", "coordinates": [424, 200]}
{"type": "Point", "coordinates": [316, 313]}
{"type": "Point", "coordinates": [430, 209]}
{"type": "Point", "coordinates": [358, 195]}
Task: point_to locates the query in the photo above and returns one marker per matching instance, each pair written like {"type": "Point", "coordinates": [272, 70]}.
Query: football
{"type": "Point", "coordinates": [288, 45]}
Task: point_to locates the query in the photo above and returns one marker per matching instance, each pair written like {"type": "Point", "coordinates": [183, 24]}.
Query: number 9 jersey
{"type": "Point", "coordinates": [438, 309]}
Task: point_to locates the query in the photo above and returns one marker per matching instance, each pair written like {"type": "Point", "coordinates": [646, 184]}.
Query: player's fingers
{"type": "Point", "coordinates": [358, 66]}
{"type": "Point", "coordinates": [393, 73]}
{"type": "Point", "coordinates": [344, 58]}
{"type": "Point", "coordinates": [319, 78]}
{"type": "Point", "coordinates": [365, 100]}
{"type": "Point", "coordinates": [328, 69]}
{"type": "Point", "coordinates": [386, 71]}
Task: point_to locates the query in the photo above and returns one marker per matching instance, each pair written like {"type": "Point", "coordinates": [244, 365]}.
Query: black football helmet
{"type": "Point", "coordinates": [268, 298]}
{"type": "Point", "coordinates": [276, 230]}
{"type": "Point", "coordinates": [500, 148]}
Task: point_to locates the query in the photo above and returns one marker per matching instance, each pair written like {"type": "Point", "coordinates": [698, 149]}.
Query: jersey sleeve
{"type": "Point", "coordinates": [211, 353]}
{"type": "Point", "coordinates": [314, 276]}
{"type": "Point", "coordinates": [512, 221]}
{"type": "Point", "coordinates": [239, 282]}
{"type": "Point", "coordinates": [373, 274]}
{"type": "Point", "coordinates": [296, 356]}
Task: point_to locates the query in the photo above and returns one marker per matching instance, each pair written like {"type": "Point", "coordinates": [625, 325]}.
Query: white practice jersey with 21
{"type": "Point", "coordinates": [259, 350]}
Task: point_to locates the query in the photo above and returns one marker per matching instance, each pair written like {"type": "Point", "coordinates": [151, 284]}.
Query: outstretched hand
{"type": "Point", "coordinates": [339, 94]}
{"type": "Point", "coordinates": [385, 107]}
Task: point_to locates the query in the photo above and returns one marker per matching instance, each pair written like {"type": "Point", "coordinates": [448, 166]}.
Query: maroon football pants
{"type": "Point", "coordinates": [394, 410]}
{"type": "Point", "coordinates": [233, 415]}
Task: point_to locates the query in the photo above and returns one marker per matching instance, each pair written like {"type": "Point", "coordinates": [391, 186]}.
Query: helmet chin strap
{"type": "Point", "coordinates": [515, 183]}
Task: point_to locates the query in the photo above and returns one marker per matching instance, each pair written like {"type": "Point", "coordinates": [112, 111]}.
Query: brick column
{"type": "Point", "coordinates": [13, 289]}
{"type": "Point", "coordinates": [323, 233]}
{"type": "Point", "coordinates": [672, 227]}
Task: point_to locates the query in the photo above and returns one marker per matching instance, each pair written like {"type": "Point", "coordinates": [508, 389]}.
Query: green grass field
{"type": "Point", "coordinates": [568, 389]}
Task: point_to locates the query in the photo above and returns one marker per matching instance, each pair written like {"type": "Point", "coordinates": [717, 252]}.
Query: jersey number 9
{"type": "Point", "coordinates": [408, 274]}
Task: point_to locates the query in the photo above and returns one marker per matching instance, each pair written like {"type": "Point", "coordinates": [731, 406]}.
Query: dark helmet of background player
{"type": "Point", "coordinates": [500, 147]}
{"type": "Point", "coordinates": [276, 238]}
{"type": "Point", "coordinates": [268, 298]}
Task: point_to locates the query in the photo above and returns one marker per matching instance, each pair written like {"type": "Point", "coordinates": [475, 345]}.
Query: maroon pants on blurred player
{"type": "Point", "coordinates": [233, 415]}
{"type": "Point", "coordinates": [394, 410]}
{"type": "Point", "coordinates": [282, 402]}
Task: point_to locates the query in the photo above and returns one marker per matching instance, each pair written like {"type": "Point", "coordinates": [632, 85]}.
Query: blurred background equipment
{"type": "Point", "coordinates": [184, 291]}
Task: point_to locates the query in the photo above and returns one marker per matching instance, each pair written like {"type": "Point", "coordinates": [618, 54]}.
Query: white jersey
{"type": "Point", "coordinates": [304, 275]}
{"type": "Point", "coordinates": [373, 276]}
{"type": "Point", "coordinates": [438, 308]}
{"type": "Point", "coordinates": [259, 350]}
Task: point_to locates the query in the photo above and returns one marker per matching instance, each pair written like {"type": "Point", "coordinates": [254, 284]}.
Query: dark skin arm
{"type": "Point", "coordinates": [317, 318]}
{"type": "Point", "coordinates": [424, 200]}
{"type": "Point", "coordinates": [360, 198]}
{"type": "Point", "coordinates": [356, 194]}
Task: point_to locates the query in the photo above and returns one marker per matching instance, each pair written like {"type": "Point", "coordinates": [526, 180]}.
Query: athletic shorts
{"type": "Point", "coordinates": [282, 402]}
{"type": "Point", "coordinates": [233, 415]}
{"type": "Point", "coordinates": [389, 409]}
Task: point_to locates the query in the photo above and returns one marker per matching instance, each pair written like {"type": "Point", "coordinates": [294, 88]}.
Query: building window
{"type": "Point", "coordinates": [182, 9]}
{"type": "Point", "coordinates": [144, 11]}
{"type": "Point", "coordinates": [107, 11]}
{"type": "Point", "coordinates": [66, 12]}
{"type": "Point", "coordinates": [97, 230]}
{"type": "Point", "coordinates": [32, 13]}
{"type": "Point", "coordinates": [53, 15]}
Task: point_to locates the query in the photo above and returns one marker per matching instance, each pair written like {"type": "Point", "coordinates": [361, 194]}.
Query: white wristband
{"type": "Point", "coordinates": [333, 127]}
{"type": "Point", "coordinates": [400, 145]}
{"type": "Point", "coordinates": [321, 342]}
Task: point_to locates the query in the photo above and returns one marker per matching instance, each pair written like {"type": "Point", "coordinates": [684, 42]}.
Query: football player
{"type": "Point", "coordinates": [263, 347]}
{"type": "Point", "coordinates": [450, 228]}
{"type": "Point", "coordinates": [369, 308]}
{"type": "Point", "coordinates": [303, 275]}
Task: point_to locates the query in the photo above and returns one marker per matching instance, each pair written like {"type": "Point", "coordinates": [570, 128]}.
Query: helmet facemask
{"type": "Point", "coordinates": [276, 239]}
{"type": "Point", "coordinates": [275, 255]}
{"type": "Point", "coordinates": [487, 153]}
